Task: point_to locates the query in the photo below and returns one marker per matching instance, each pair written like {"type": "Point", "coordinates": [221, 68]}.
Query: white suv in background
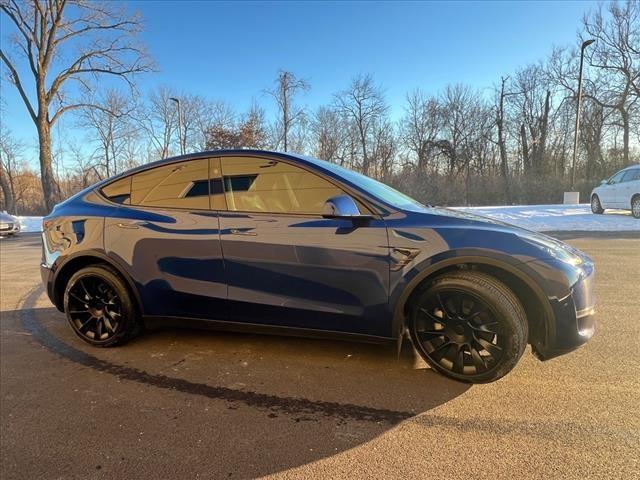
{"type": "Point", "coordinates": [9, 225]}
{"type": "Point", "coordinates": [622, 191]}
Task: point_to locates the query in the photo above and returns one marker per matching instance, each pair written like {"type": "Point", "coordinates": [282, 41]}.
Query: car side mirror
{"type": "Point", "coordinates": [345, 207]}
{"type": "Point", "coordinates": [603, 182]}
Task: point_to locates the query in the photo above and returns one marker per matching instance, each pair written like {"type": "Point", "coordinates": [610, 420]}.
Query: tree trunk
{"type": "Point", "coordinates": [7, 191]}
{"type": "Point", "coordinates": [625, 136]}
{"type": "Point", "coordinates": [365, 158]}
{"type": "Point", "coordinates": [504, 167]}
{"type": "Point", "coordinates": [544, 129]}
{"type": "Point", "coordinates": [525, 150]}
{"type": "Point", "coordinates": [285, 113]}
{"type": "Point", "coordinates": [49, 186]}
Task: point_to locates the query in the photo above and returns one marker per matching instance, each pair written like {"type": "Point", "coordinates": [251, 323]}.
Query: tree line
{"type": "Point", "coordinates": [511, 142]}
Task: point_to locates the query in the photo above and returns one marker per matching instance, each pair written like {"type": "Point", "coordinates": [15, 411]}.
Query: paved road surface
{"type": "Point", "coordinates": [183, 404]}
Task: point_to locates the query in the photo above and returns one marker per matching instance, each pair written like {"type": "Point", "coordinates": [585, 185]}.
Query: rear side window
{"type": "Point", "coordinates": [119, 191]}
{"type": "Point", "coordinates": [631, 175]}
{"type": "Point", "coordinates": [178, 185]}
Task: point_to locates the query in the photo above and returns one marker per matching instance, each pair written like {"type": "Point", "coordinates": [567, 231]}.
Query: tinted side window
{"type": "Point", "coordinates": [616, 178]}
{"type": "Point", "coordinates": [262, 185]}
{"type": "Point", "coordinates": [119, 191]}
{"type": "Point", "coordinates": [631, 175]}
{"type": "Point", "coordinates": [178, 185]}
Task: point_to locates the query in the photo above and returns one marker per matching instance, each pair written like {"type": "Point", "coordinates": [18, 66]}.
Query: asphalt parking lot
{"type": "Point", "coordinates": [186, 404]}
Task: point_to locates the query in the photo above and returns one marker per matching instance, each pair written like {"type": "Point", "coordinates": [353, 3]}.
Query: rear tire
{"type": "Point", "coordinates": [596, 206]}
{"type": "Point", "coordinates": [635, 206]}
{"type": "Point", "coordinates": [468, 326]}
{"type": "Point", "coordinates": [99, 307]}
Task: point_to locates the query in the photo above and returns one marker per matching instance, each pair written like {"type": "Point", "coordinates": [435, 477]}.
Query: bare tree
{"type": "Point", "coordinates": [103, 40]}
{"type": "Point", "coordinates": [591, 136]}
{"type": "Point", "coordinates": [383, 149]}
{"type": "Point", "coordinates": [420, 126]}
{"type": "Point", "coordinates": [211, 116]}
{"type": "Point", "coordinates": [10, 152]}
{"type": "Point", "coordinates": [502, 95]}
{"type": "Point", "coordinates": [289, 115]}
{"type": "Point", "coordinates": [329, 134]}
{"type": "Point", "coordinates": [615, 58]}
{"type": "Point", "coordinates": [158, 117]}
{"type": "Point", "coordinates": [111, 128]}
{"type": "Point", "coordinates": [253, 128]}
{"type": "Point", "coordinates": [249, 132]}
{"type": "Point", "coordinates": [457, 107]}
{"type": "Point", "coordinates": [363, 104]}
{"type": "Point", "coordinates": [198, 116]}
{"type": "Point", "coordinates": [533, 106]}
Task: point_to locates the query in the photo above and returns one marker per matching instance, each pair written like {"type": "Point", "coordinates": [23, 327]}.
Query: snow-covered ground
{"type": "Point", "coordinates": [542, 218]}
{"type": "Point", "coordinates": [30, 224]}
{"type": "Point", "coordinates": [545, 218]}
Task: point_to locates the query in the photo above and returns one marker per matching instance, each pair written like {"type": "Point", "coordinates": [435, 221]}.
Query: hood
{"type": "Point", "coordinates": [549, 246]}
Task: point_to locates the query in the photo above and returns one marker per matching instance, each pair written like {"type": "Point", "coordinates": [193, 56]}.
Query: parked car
{"type": "Point", "coordinates": [280, 243]}
{"type": "Point", "coordinates": [9, 225]}
{"type": "Point", "coordinates": [621, 191]}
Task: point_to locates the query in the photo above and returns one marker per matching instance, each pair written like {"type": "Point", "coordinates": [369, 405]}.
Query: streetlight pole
{"type": "Point", "coordinates": [585, 44]}
{"type": "Point", "coordinates": [181, 138]}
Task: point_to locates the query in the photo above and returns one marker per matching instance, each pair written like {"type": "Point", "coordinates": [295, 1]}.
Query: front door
{"type": "Point", "coordinates": [288, 266]}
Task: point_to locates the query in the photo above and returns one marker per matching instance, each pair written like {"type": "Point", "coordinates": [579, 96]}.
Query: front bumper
{"type": "Point", "coordinates": [575, 318]}
{"type": "Point", "coordinates": [9, 228]}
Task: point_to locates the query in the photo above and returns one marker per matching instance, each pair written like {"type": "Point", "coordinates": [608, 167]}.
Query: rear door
{"type": "Point", "coordinates": [610, 191]}
{"type": "Point", "coordinates": [288, 266]}
{"type": "Point", "coordinates": [166, 233]}
{"type": "Point", "coordinates": [628, 187]}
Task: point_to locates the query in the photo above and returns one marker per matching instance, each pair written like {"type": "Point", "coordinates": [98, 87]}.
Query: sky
{"type": "Point", "coordinates": [233, 51]}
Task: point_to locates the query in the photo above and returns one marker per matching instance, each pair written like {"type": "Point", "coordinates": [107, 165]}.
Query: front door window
{"type": "Point", "coordinates": [268, 186]}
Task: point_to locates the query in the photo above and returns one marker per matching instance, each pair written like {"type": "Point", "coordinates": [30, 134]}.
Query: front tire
{"type": "Point", "coordinates": [99, 307]}
{"type": "Point", "coordinates": [635, 206]}
{"type": "Point", "coordinates": [468, 326]}
{"type": "Point", "coordinates": [596, 206]}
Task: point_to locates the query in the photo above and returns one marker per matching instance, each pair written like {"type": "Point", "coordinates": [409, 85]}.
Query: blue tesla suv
{"type": "Point", "coordinates": [270, 242]}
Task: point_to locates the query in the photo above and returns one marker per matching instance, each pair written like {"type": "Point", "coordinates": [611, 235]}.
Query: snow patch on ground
{"type": "Point", "coordinates": [541, 218]}
{"type": "Point", "coordinates": [545, 218]}
{"type": "Point", "coordinates": [30, 224]}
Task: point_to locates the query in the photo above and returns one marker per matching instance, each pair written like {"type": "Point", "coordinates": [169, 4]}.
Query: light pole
{"type": "Point", "coordinates": [585, 44]}
{"type": "Point", "coordinates": [181, 139]}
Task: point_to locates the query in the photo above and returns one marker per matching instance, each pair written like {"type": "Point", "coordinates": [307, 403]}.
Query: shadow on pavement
{"type": "Point", "coordinates": [309, 399]}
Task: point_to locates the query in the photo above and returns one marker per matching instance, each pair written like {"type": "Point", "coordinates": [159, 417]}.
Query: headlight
{"type": "Point", "coordinates": [555, 249]}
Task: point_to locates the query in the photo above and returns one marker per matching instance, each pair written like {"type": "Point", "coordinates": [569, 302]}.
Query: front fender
{"type": "Point", "coordinates": [406, 284]}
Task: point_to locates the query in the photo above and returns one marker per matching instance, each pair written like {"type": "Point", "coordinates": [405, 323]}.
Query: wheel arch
{"type": "Point", "coordinates": [534, 301]}
{"type": "Point", "coordinates": [74, 263]}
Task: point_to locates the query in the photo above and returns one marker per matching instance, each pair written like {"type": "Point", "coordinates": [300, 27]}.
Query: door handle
{"type": "Point", "coordinates": [235, 231]}
{"type": "Point", "coordinates": [130, 225]}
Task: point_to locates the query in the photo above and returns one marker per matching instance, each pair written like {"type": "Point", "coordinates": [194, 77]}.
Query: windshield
{"type": "Point", "coordinates": [378, 189]}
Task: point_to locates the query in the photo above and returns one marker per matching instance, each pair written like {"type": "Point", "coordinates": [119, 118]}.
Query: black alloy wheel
{"type": "Point", "coordinates": [469, 326]}
{"type": "Point", "coordinates": [99, 308]}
